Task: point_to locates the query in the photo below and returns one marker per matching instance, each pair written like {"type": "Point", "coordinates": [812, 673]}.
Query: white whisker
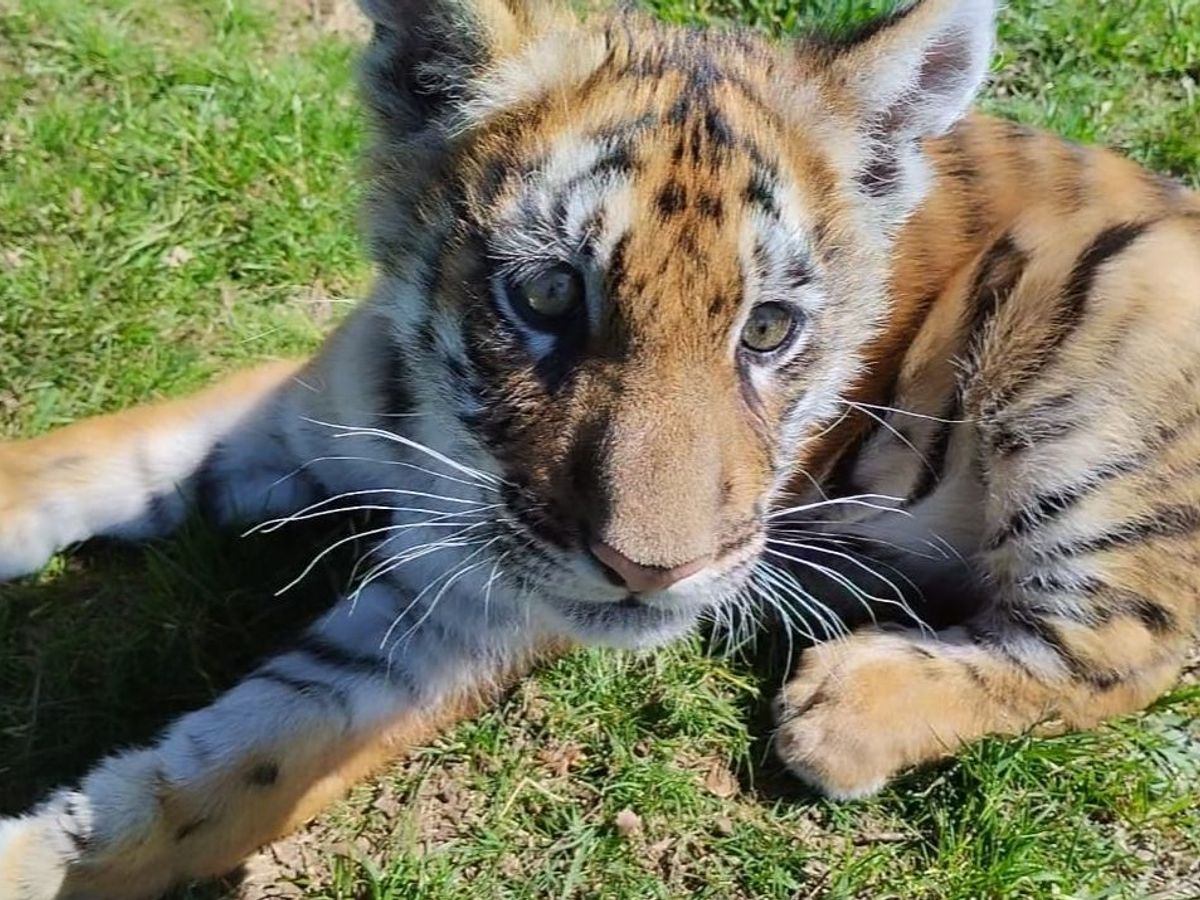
{"type": "Point", "coordinates": [383, 434]}
{"type": "Point", "coordinates": [830, 622]}
{"type": "Point", "coordinates": [854, 590]}
{"type": "Point", "coordinates": [900, 600]}
{"type": "Point", "coordinates": [849, 539]}
{"type": "Point", "coordinates": [455, 573]}
{"type": "Point", "coordinates": [364, 507]}
{"type": "Point", "coordinates": [409, 554]}
{"type": "Point", "coordinates": [863, 597]}
{"type": "Point", "coordinates": [910, 413]}
{"type": "Point", "coordinates": [832, 425]}
{"type": "Point", "coordinates": [781, 606]}
{"type": "Point", "coordinates": [461, 573]}
{"type": "Point", "coordinates": [320, 556]}
{"type": "Point", "coordinates": [896, 433]}
{"type": "Point", "coordinates": [853, 500]}
{"type": "Point", "coordinates": [381, 462]}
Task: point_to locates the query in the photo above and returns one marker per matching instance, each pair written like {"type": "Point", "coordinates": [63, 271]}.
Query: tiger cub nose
{"type": "Point", "coordinates": [638, 578]}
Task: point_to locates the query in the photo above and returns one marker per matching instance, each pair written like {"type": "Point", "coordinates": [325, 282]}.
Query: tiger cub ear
{"type": "Point", "coordinates": [914, 73]}
{"type": "Point", "coordinates": [425, 54]}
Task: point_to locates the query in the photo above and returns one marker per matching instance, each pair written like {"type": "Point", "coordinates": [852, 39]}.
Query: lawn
{"type": "Point", "coordinates": [176, 197]}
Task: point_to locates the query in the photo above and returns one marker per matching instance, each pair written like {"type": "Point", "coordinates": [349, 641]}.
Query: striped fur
{"type": "Point", "coordinates": [983, 414]}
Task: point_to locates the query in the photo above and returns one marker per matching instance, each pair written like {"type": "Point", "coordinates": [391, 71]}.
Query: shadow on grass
{"type": "Point", "coordinates": [112, 642]}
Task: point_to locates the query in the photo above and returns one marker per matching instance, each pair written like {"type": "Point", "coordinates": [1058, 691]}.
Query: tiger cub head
{"type": "Point", "coordinates": [635, 268]}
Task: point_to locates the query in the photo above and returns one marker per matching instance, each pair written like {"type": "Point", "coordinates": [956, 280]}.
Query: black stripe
{"type": "Point", "coordinates": [1048, 506]}
{"type": "Point", "coordinates": [717, 130]}
{"type": "Point", "coordinates": [304, 686]}
{"type": "Point", "coordinates": [1103, 248]}
{"type": "Point", "coordinates": [1165, 522]}
{"type": "Point", "coordinates": [79, 838]}
{"type": "Point", "coordinates": [964, 167]}
{"type": "Point", "coordinates": [986, 639]}
{"type": "Point", "coordinates": [760, 192]}
{"type": "Point", "coordinates": [976, 675]}
{"type": "Point", "coordinates": [200, 750]}
{"type": "Point", "coordinates": [627, 131]}
{"type": "Point", "coordinates": [1007, 440]}
{"type": "Point", "coordinates": [880, 176]}
{"type": "Point", "coordinates": [1104, 602]}
{"type": "Point", "coordinates": [671, 199]}
{"type": "Point", "coordinates": [186, 831]}
{"type": "Point", "coordinates": [1048, 635]}
{"type": "Point", "coordinates": [816, 698]}
{"type": "Point", "coordinates": [919, 652]}
{"type": "Point", "coordinates": [939, 450]}
{"type": "Point", "coordinates": [330, 654]}
{"type": "Point", "coordinates": [1044, 508]}
{"type": "Point", "coordinates": [619, 160]}
{"type": "Point", "coordinates": [1153, 615]}
{"type": "Point", "coordinates": [995, 279]}
{"type": "Point", "coordinates": [1073, 302]}
{"type": "Point", "coordinates": [264, 774]}
{"type": "Point", "coordinates": [617, 263]}
{"type": "Point", "coordinates": [711, 207]}
{"type": "Point", "coordinates": [1012, 432]}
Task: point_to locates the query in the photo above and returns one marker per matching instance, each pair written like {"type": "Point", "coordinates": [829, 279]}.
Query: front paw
{"type": "Point", "coordinates": [26, 544]}
{"type": "Point", "coordinates": [26, 539]}
{"type": "Point", "coordinates": [35, 852]}
{"type": "Point", "coordinates": [860, 710]}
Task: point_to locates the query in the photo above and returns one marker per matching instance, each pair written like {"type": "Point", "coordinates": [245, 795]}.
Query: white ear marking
{"type": "Point", "coordinates": [916, 76]}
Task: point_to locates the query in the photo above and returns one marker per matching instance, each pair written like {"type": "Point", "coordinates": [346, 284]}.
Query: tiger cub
{"type": "Point", "coordinates": [664, 319]}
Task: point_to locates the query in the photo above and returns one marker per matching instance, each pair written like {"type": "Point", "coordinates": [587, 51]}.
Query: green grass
{"type": "Point", "coordinates": [176, 195]}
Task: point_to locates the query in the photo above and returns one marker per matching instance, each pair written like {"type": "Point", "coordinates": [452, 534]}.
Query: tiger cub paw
{"type": "Point", "coordinates": [857, 712]}
{"type": "Point", "coordinates": [34, 854]}
{"type": "Point", "coordinates": [27, 539]}
{"type": "Point", "coordinates": [75, 846]}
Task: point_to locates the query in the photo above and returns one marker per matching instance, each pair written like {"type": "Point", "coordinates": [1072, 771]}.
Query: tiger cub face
{"type": "Point", "coordinates": [638, 268]}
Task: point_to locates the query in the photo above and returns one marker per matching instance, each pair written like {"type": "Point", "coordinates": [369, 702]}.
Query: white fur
{"type": "Point", "coordinates": [896, 73]}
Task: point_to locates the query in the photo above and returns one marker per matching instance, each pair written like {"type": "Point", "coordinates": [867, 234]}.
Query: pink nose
{"type": "Point", "coordinates": [642, 579]}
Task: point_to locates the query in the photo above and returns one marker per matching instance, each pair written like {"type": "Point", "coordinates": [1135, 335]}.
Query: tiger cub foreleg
{"type": "Point", "coordinates": [1076, 632]}
{"type": "Point", "coordinates": [1088, 545]}
{"type": "Point", "coordinates": [265, 756]}
{"type": "Point", "coordinates": [1094, 594]}
{"type": "Point", "coordinates": [135, 474]}
{"type": "Point", "coordinates": [861, 710]}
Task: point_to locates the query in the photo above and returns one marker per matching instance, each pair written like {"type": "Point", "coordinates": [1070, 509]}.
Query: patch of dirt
{"type": "Point", "coordinates": [301, 20]}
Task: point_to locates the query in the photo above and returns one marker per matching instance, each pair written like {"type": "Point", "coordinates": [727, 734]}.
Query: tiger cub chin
{"type": "Point", "coordinates": [669, 321]}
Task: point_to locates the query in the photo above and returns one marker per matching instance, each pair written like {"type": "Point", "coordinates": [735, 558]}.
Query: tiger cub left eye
{"type": "Point", "coordinates": [554, 294]}
{"type": "Point", "coordinates": [769, 327]}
